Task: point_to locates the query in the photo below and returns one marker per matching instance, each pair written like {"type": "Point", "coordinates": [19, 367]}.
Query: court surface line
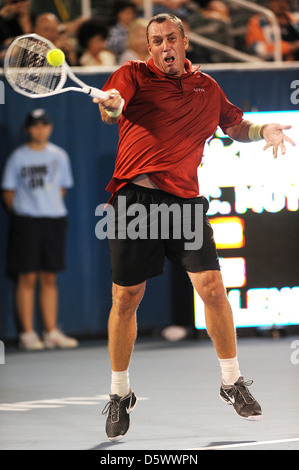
{"type": "Point", "coordinates": [247, 444]}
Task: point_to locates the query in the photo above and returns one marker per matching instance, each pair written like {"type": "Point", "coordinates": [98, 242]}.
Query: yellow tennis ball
{"type": "Point", "coordinates": [55, 57]}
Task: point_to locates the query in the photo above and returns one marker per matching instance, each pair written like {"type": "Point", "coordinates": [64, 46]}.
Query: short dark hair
{"type": "Point", "coordinates": [162, 17]}
{"type": "Point", "coordinates": [90, 28]}
{"type": "Point", "coordinates": [123, 5]}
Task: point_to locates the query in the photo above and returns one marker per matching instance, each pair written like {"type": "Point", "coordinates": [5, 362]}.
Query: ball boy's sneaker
{"type": "Point", "coordinates": [241, 399]}
{"type": "Point", "coordinates": [118, 419]}
{"type": "Point", "coordinates": [30, 342]}
{"type": "Point", "coordinates": [57, 339]}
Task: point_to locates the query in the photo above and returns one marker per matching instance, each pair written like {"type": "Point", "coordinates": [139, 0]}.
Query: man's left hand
{"type": "Point", "coordinates": [275, 137]}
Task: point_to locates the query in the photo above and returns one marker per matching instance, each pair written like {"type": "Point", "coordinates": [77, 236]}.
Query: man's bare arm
{"type": "Point", "coordinates": [240, 131]}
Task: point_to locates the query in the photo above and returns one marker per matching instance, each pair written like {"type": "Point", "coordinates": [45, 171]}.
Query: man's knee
{"type": "Point", "coordinates": [210, 287]}
{"type": "Point", "coordinates": [127, 298]}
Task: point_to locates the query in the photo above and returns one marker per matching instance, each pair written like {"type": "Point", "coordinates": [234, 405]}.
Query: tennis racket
{"type": "Point", "coordinates": [28, 72]}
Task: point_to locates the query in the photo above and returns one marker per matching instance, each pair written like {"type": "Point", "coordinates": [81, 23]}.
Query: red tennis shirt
{"type": "Point", "coordinates": [165, 123]}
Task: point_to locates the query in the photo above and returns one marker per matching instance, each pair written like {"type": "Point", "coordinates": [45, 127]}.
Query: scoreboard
{"type": "Point", "coordinates": [254, 202]}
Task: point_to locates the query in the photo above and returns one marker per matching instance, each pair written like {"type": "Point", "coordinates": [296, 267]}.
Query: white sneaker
{"type": "Point", "coordinates": [30, 342]}
{"type": "Point", "coordinates": [57, 339]}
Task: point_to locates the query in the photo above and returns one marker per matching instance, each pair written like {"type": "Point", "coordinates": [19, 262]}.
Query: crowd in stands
{"type": "Point", "coordinates": [115, 31]}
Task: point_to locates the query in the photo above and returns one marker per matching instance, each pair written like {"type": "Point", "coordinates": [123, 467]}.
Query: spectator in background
{"type": "Point", "coordinates": [195, 53]}
{"type": "Point", "coordinates": [125, 13]}
{"type": "Point", "coordinates": [218, 11]}
{"type": "Point", "coordinates": [104, 9]}
{"type": "Point", "coordinates": [69, 13]}
{"type": "Point", "coordinates": [92, 36]}
{"type": "Point", "coordinates": [176, 7]}
{"type": "Point", "coordinates": [35, 181]}
{"type": "Point", "coordinates": [203, 13]}
{"type": "Point", "coordinates": [14, 20]}
{"type": "Point", "coordinates": [49, 26]}
{"type": "Point", "coordinates": [259, 35]}
{"type": "Point", "coordinates": [137, 42]}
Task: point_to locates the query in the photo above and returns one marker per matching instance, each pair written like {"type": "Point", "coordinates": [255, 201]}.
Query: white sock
{"type": "Point", "coordinates": [230, 370]}
{"type": "Point", "coordinates": [120, 383]}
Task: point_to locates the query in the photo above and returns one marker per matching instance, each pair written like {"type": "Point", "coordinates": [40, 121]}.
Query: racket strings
{"type": "Point", "coordinates": [29, 70]}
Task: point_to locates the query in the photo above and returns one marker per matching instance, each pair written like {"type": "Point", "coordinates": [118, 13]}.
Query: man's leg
{"type": "Point", "coordinates": [122, 325]}
{"type": "Point", "coordinates": [218, 312]}
{"type": "Point", "coordinates": [220, 327]}
{"type": "Point", "coordinates": [122, 332]}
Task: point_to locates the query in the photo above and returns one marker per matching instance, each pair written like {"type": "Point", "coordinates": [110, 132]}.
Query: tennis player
{"type": "Point", "coordinates": [166, 109]}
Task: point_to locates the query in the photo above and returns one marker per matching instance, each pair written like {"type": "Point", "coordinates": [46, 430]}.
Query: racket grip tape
{"type": "Point", "coordinates": [96, 93]}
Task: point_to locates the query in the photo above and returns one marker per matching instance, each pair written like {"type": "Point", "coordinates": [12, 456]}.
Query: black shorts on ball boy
{"type": "Point", "coordinates": [37, 244]}
{"type": "Point", "coordinates": [150, 224]}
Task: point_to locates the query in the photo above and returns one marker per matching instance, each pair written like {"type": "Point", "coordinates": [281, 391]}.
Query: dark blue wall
{"type": "Point", "coordinates": [85, 286]}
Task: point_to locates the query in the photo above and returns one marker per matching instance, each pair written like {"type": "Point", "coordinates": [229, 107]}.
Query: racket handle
{"type": "Point", "coordinates": [96, 93]}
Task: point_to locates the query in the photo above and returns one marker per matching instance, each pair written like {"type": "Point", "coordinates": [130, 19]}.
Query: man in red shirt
{"type": "Point", "coordinates": [166, 110]}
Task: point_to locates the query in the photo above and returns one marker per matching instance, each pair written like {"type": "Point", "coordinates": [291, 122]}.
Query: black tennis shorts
{"type": "Point", "coordinates": [37, 244]}
{"type": "Point", "coordinates": [149, 224]}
